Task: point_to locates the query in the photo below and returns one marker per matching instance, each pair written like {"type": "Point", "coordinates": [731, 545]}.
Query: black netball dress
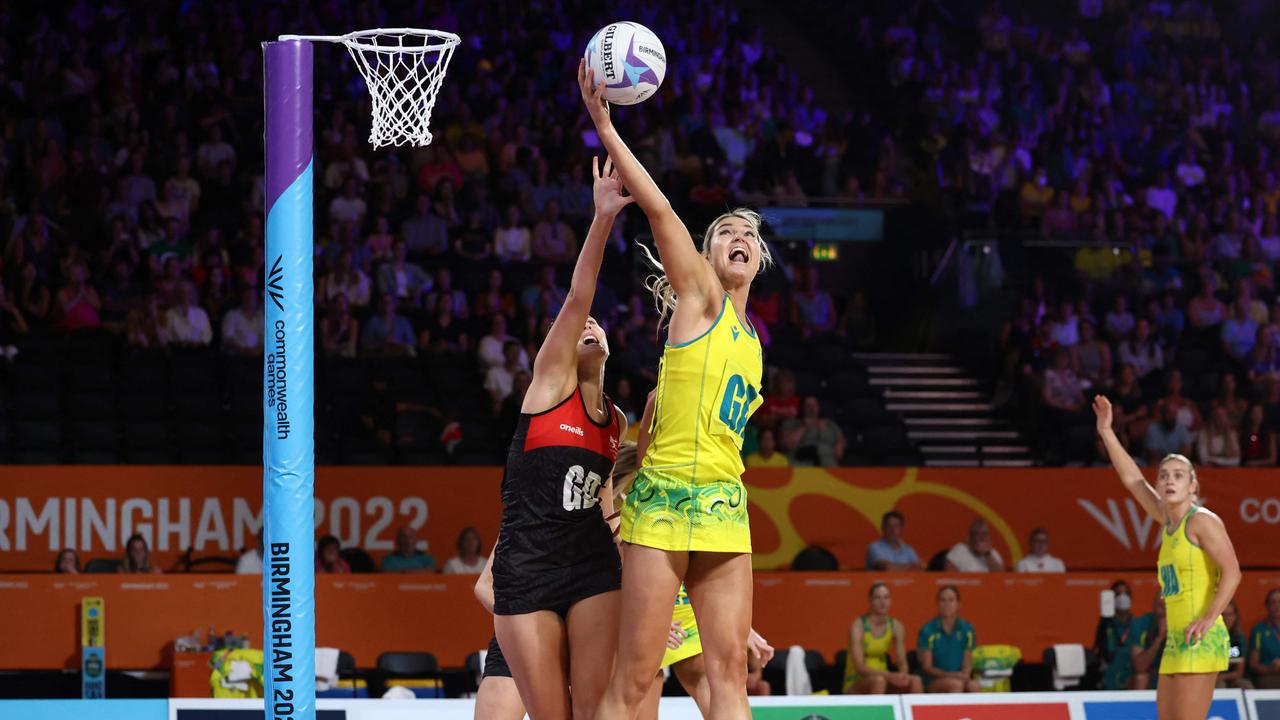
{"type": "Point", "coordinates": [555, 548]}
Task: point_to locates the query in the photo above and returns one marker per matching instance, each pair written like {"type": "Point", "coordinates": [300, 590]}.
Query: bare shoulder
{"type": "Point", "coordinates": [1204, 520]}
{"type": "Point", "coordinates": [1204, 515]}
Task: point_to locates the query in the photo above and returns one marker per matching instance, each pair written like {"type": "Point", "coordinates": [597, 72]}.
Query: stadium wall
{"type": "Point", "coordinates": [369, 614]}
{"type": "Point", "coordinates": [214, 511]}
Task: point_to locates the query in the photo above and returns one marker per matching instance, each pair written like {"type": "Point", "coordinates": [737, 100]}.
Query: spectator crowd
{"type": "Point", "coordinates": [1144, 135]}
{"type": "Point", "coordinates": [1140, 138]}
{"type": "Point", "coordinates": [131, 186]}
{"type": "Point", "coordinates": [408, 556]}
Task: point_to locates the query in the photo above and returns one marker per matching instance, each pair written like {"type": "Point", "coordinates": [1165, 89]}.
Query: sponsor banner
{"type": "Point", "coordinates": [775, 708]}
{"type": "Point", "coordinates": [1021, 711]}
{"type": "Point", "coordinates": [1133, 705]}
{"type": "Point", "coordinates": [1228, 705]}
{"type": "Point", "coordinates": [988, 706]}
{"type": "Point", "coordinates": [191, 709]}
{"type": "Point", "coordinates": [1146, 710]}
{"type": "Point", "coordinates": [1263, 704]}
{"type": "Point", "coordinates": [818, 707]}
{"type": "Point", "coordinates": [96, 709]}
{"type": "Point", "coordinates": [216, 511]}
{"type": "Point", "coordinates": [1092, 521]}
{"type": "Point", "coordinates": [439, 613]}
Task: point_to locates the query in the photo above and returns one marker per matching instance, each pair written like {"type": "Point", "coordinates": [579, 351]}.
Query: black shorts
{"type": "Point", "coordinates": [556, 590]}
{"type": "Point", "coordinates": [494, 664]}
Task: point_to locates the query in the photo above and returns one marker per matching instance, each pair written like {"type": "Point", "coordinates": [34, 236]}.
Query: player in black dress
{"type": "Point", "coordinates": [556, 572]}
{"type": "Point", "coordinates": [497, 698]}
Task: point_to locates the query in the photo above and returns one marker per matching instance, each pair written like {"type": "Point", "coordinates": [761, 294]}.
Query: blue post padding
{"type": "Point", "coordinates": [288, 591]}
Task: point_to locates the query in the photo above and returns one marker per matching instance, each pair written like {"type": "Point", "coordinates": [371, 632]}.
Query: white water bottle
{"type": "Point", "coordinates": [1108, 603]}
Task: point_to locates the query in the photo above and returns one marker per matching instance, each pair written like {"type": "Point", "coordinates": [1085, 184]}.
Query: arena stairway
{"type": "Point", "coordinates": [947, 411]}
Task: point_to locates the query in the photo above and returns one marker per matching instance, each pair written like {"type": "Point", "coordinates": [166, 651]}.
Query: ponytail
{"type": "Point", "coordinates": [624, 472]}
{"type": "Point", "coordinates": [664, 296]}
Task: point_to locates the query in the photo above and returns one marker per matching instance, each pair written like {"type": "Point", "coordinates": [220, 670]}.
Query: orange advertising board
{"type": "Point", "coordinates": [1092, 521]}
{"type": "Point", "coordinates": [370, 614]}
{"type": "Point", "coordinates": [217, 510]}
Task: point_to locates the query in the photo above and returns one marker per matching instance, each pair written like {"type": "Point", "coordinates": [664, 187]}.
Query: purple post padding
{"type": "Point", "coordinates": [287, 75]}
{"type": "Point", "coordinates": [288, 493]}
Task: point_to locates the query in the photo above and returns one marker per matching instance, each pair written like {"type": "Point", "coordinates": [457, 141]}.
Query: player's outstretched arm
{"type": "Point", "coordinates": [1125, 467]}
{"type": "Point", "coordinates": [554, 369]}
{"type": "Point", "coordinates": [690, 274]}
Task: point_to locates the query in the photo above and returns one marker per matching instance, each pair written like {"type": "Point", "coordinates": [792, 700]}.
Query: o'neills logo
{"type": "Point", "coordinates": [571, 429]}
{"type": "Point", "coordinates": [274, 278]}
{"type": "Point", "coordinates": [277, 382]}
{"type": "Point", "coordinates": [606, 49]}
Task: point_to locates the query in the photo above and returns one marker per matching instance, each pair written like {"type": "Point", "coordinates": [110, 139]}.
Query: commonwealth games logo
{"type": "Point", "coordinates": [274, 288]}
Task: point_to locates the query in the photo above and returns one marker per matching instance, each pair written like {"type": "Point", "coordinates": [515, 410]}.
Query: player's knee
{"type": "Point", "coordinates": [943, 685]}
{"type": "Point", "coordinates": [877, 684]}
{"type": "Point", "coordinates": [917, 685]}
{"type": "Point", "coordinates": [972, 686]}
{"type": "Point", "coordinates": [688, 676]}
{"type": "Point", "coordinates": [584, 707]}
{"type": "Point", "coordinates": [632, 684]}
{"type": "Point", "coordinates": [726, 667]}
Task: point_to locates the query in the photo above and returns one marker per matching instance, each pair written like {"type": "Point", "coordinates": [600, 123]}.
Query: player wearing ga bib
{"type": "Point", "coordinates": [554, 547]}
{"type": "Point", "coordinates": [688, 494]}
{"type": "Point", "coordinates": [1188, 581]}
{"type": "Point", "coordinates": [692, 645]}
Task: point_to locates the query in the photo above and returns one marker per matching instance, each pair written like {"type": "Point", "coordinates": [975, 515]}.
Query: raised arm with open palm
{"type": "Point", "coordinates": [1126, 468]}
{"type": "Point", "coordinates": [554, 368]}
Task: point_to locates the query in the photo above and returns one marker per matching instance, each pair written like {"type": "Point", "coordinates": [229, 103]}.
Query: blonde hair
{"type": "Point", "coordinates": [624, 472]}
{"type": "Point", "coordinates": [664, 296]}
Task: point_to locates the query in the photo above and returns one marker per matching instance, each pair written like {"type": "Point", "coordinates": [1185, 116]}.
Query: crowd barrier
{"type": "Point", "coordinates": [369, 614]}
{"type": "Point", "coordinates": [1093, 522]}
{"type": "Point", "coordinates": [1227, 705]}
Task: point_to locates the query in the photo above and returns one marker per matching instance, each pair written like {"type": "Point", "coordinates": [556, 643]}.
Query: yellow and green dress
{"type": "Point", "coordinates": [1188, 581]}
{"type": "Point", "coordinates": [688, 494]}
{"type": "Point", "coordinates": [875, 652]}
{"type": "Point", "coordinates": [692, 646]}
